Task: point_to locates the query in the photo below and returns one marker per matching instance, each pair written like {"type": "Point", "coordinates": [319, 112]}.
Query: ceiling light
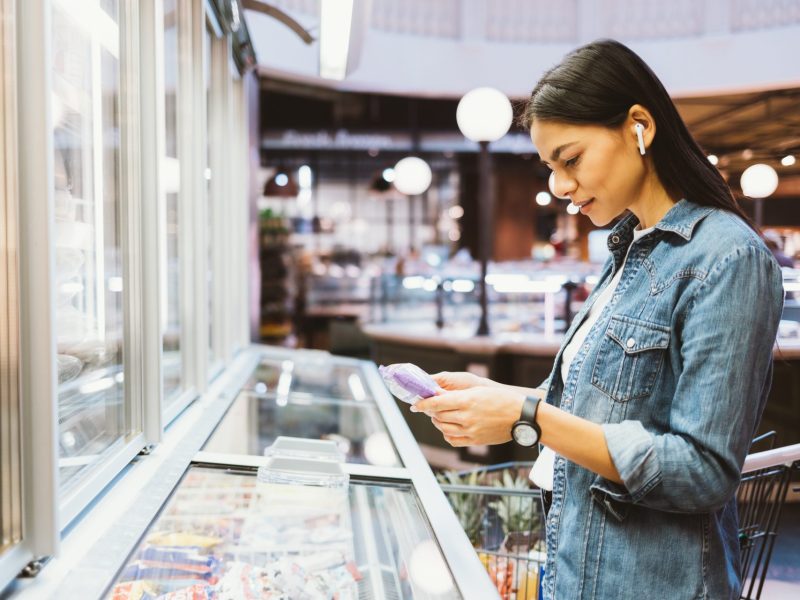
{"type": "Point", "coordinates": [543, 198]}
{"type": "Point", "coordinates": [713, 159]}
{"type": "Point", "coordinates": [281, 184]}
{"type": "Point", "coordinates": [484, 114]}
{"type": "Point", "coordinates": [304, 176]}
{"type": "Point", "coordinates": [759, 181]}
{"type": "Point", "coordinates": [388, 174]}
{"type": "Point", "coordinates": [788, 161]}
{"type": "Point", "coordinates": [572, 209]}
{"type": "Point", "coordinates": [747, 154]}
{"type": "Point", "coordinates": [412, 176]}
{"type": "Point", "coordinates": [343, 24]}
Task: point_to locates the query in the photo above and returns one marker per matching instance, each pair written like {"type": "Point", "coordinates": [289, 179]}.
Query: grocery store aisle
{"type": "Point", "coordinates": [783, 577]}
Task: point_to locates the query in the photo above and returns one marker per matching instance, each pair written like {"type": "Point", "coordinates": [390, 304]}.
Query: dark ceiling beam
{"type": "Point", "coordinates": [708, 121]}
{"type": "Point", "coordinates": [765, 101]}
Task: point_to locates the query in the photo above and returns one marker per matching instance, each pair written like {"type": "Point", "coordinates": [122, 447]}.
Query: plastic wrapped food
{"type": "Point", "coordinates": [184, 555]}
{"type": "Point", "coordinates": [148, 569]}
{"type": "Point", "coordinates": [195, 592]}
{"type": "Point", "coordinates": [408, 382]}
{"type": "Point", "coordinates": [69, 367]}
{"type": "Point", "coordinates": [182, 539]}
{"type": "Point", "coordinates": [133, 590]}
{"type": "Point", "coordinates": [243, 581]}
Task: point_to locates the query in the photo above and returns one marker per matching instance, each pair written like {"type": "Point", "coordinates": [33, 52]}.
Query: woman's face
{"type": "Point", "coordinates": [597, 168]}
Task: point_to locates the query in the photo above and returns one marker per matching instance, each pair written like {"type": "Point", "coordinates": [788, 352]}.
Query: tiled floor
{"type": "Point", "coordinates": [783, 576]}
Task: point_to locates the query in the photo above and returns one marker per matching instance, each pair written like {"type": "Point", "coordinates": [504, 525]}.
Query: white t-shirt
{"type": "Point", "coordinates": [542, 472]}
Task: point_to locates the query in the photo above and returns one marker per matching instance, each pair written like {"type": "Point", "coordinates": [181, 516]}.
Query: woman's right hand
{"type": "Point", "coordinates": [451, 381]}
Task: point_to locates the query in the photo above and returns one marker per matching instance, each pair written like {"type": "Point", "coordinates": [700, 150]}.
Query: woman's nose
{"type": "Point", "coordinates": [562, 185]}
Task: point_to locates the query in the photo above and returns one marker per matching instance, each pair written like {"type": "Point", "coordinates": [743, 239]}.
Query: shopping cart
{"type": "Point", "coordinates": [766, 478]}
{"type": "Point", "coordinates": [503, 516]}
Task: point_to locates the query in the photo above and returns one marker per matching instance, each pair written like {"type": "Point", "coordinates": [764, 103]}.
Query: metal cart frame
{"type": "Point", "coordinates": [516, 571]}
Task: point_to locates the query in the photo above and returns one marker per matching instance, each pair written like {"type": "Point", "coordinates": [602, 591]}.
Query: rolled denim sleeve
{"type": "Point", "coordinates": [725, 335]}
{"type": "Point", "coordinates": [545, 385]}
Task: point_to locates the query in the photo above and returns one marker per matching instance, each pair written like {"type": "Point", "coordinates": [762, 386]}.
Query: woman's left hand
{"type": "Point", "coordinates": [475, 416]}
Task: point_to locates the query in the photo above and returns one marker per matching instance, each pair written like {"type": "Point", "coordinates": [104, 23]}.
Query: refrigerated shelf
{"type": "Point", "coordinates": [223, 532]}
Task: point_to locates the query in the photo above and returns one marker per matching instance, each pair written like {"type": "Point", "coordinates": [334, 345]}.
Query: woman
{"type": "Point", "coordinates": [662, 377]}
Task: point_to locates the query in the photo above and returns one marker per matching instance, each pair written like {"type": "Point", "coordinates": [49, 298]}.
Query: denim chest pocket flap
{"type": "Point", "coordinates": [629, 358]}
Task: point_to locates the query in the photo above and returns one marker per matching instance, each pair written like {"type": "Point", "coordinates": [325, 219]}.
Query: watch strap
{"type": "Point", "coordinates": [529, 409]}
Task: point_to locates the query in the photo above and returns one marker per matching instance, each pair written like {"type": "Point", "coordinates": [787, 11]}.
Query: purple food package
{"type": "Point", "coordinates": [408, 382]}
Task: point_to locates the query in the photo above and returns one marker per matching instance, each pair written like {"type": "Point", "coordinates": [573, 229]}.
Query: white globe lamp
{"type": "Point", "coordinates": [759, 181]}
{"type": "Point", "coordinates": [412, 176]}
{"type": "Point", "coordinates": [484, 114]}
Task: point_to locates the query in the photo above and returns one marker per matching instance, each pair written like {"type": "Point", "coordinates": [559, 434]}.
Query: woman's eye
{"type": "Point", "coordinates": [571, 162]}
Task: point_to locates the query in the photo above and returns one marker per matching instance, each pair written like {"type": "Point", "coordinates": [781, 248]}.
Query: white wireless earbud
{"type": "Point", "coordinates": [639, 136]}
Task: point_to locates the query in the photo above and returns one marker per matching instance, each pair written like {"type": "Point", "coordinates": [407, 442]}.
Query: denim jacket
{"type": "Point", "coordinates": [677, 370]}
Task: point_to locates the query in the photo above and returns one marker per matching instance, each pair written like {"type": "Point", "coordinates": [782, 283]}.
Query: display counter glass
{"type": "Point", "coordinates": [309, 374]}
{"type": "Point", "coordinates": [253, 422]}
{"type": "Point", "coordinates": [225, 534]}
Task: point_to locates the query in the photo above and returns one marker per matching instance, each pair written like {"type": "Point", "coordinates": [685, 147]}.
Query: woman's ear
{"type": "Point", "coordinates": [639, 118]}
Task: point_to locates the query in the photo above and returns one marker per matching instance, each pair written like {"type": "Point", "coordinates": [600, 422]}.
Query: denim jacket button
{"type": "Point", "coordinates": [615, 239]}
{"type": "Point", "coordinates": [630, 343]}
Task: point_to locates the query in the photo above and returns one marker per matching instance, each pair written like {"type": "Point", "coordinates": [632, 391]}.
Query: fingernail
{"type": "Point", "coordinates": [414, 409]}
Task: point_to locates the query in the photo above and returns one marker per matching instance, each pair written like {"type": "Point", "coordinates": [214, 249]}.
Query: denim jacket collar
{"type": "Point", "coordinates": [680, 219]}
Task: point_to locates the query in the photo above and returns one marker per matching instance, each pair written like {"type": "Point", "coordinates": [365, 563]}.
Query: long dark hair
{"type": "Point", "coordinates": [597, 84]}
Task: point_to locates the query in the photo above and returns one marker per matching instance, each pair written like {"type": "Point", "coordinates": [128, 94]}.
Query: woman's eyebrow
{"type": "Point", "coordinates": [557, 152]}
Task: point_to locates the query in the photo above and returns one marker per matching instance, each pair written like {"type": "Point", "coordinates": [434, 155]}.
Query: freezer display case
{"type": "Point", "coordinates": [225, 534]}
{"type": "Point", "coordinates": [348, 518]}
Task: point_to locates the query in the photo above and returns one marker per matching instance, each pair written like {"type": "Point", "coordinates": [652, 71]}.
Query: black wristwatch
{"type": "Point", "coordinates": [525, 431]}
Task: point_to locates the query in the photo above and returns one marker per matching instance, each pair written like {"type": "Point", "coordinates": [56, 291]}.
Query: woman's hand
{"type": "Point", "coordinates": [473, 416]}
{"type": "Point", "coordinates": [450, 381]}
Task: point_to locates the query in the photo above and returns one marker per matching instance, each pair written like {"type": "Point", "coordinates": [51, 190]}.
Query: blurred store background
{"type": "Point", "coordinates": [351, 264]}
{"type": "Point", "coordinates": [218, 214]}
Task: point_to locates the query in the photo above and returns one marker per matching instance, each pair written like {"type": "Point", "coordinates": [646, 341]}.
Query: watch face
{"type": "Point", "coordinates": [524, 434]}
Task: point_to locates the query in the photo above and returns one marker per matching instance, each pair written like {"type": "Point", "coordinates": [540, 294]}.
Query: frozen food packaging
{"type": "Point", "coordinates": [408, 382]}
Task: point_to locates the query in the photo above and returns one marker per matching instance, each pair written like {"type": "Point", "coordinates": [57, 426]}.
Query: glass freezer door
{"type": "Point", "coordinates": [253, 422]}
{"type": "Point", "coordinates": [224, 534]}
{"type": "Point", "coordinates": [88, 234]}
{"type": "Point", "coordinates": [309, 373]}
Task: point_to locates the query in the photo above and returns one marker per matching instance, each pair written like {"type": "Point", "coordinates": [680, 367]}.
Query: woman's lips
{"type": "Point", "coordinates": [584, 206]}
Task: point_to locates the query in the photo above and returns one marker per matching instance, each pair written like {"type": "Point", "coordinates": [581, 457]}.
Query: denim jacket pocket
{"type": "Point", "coordinates": [629, 358]}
